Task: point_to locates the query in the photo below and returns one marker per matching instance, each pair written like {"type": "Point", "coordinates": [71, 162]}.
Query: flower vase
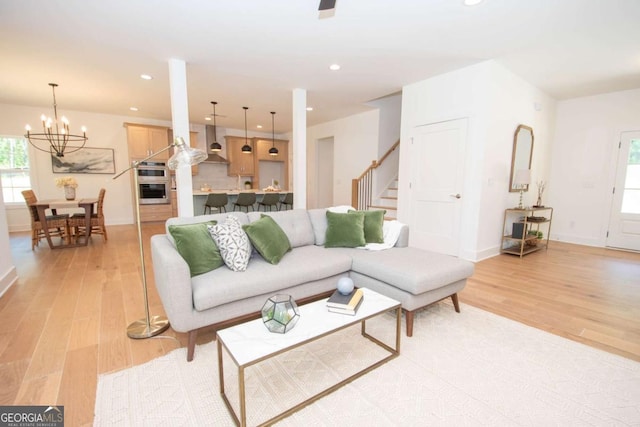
{"type": "Point", "coordinates": [538, 203]}
{"type": "Point", "coordinates": [69, 192]}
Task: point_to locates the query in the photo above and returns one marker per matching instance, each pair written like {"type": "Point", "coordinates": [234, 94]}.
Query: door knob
{"type": "Point", "coordinates": [457, 196]}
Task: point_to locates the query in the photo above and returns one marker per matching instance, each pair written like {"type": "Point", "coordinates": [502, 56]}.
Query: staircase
{"type": "Point", "coordinates": [363, 187]}
{"type": "Point", "coordinates": [388, 201]}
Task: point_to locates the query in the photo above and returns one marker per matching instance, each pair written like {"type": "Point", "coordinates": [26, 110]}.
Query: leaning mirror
{"type": "Point", "coordinates": [521, 156]}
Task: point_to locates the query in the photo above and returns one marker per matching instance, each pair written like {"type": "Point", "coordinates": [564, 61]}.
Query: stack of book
{"type": "Point", "coordinates": [345, 304]}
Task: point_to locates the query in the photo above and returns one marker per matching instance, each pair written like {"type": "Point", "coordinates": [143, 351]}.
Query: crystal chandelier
{"type": "Point", "coordinates": [56, 133]}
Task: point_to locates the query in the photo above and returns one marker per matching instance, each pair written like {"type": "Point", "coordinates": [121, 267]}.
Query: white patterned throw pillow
{"type": "Point", "coordinates": [232, 242]}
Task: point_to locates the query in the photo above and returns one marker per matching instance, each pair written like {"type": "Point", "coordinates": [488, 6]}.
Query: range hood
{"type": "Point", "coordinates": [210, 134]}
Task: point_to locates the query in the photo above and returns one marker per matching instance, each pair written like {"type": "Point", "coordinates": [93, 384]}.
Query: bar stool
{"type": "Point", "coordinates": [269, 199]}
{"type": "Point", "coordinates": [245, 200]}
{"type": "Point", "coordinates": [287, 200]}
{"type": "Point", "coordinates": [216, 200]}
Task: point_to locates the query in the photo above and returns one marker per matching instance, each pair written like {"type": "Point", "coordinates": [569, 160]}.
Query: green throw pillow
{"type": "Point", "coordinates": [268, 239]}
{"type": "Point", "coordinates": [345, 230]}
{"type": "Point", "coordinates": [373, 221]}
{"type": "Point", "coordinates": [195, 245]}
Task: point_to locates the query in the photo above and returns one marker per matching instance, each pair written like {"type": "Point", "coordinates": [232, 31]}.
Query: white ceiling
{"type": "Point", "coordinates": [254, 52]}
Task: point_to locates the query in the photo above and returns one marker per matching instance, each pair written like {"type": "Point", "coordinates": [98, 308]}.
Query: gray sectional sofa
{"type": "Point", "coordinates": [308, 272]}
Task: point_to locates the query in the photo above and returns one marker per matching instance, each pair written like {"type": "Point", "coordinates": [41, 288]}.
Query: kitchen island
{"type": "Point", "coordinates": [200, 197]}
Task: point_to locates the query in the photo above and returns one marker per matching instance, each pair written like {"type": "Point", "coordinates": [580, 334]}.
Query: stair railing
{"type": "Point", "coordinates": [362, 186]}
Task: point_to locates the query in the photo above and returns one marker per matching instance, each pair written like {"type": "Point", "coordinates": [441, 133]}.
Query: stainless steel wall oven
{"type": "Point", "coordinates": [154, 183]}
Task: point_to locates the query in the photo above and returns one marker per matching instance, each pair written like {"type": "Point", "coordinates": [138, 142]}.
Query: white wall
{"type": "Point", "coordinates": [8, 274]}
{"type": "Point", "coordinates": [355, 145]}
{"type": "Point", "coordinates": [584, 153]}
{"type": "Point", "coordinates": [324, 188]}
{"type": "Point", "coordinates": [495, 101]}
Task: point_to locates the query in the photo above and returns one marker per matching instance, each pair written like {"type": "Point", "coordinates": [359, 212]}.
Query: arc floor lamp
{"type": "Point", "coordinates": [183, 156]}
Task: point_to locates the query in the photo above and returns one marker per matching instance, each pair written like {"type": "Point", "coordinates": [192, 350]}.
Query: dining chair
{"type": "Point", "coordinates": [269, 199]}
{"type": "Point", "coordinates": [245, 200]}
{"type": "Point", "coordinates": [216, 200]}
{"type": "Point", "coordinates": [78, 222]}
{"type": "Point", "coordinates": [287, 200]}
{"type": "Point", "coordinates": [58, 224]}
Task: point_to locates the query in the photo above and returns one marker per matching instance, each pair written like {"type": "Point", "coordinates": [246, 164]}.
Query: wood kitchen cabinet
{"type": "Point", "coordinates": [152, 213]}
{"type": "Point", "coordinates": [174, 203]}
{"type": "Point", "coordinates": [144, 140]}
{"type": "Point", "coordinates": [262, 155]}
{"type": "Point", "coordinates": [263, 146]}
{"type": "Point", "coordinates": [240, 163]}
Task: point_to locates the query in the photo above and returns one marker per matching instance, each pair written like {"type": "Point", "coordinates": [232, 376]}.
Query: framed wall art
{"type": "Point", "coordinates": [85, 160]}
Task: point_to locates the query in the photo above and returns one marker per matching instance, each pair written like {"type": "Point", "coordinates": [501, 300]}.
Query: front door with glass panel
{"type": "Point", "coordinates": [624, 225]}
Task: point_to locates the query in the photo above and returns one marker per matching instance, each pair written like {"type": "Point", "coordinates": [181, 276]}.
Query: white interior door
{"type": "Point", "coordinates": [437, 153]}
{"type": "Point", "coordinates": [624, 224]}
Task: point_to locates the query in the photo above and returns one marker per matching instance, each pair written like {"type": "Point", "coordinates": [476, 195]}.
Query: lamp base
{"type": "Point", "coordinates": [139, 329]}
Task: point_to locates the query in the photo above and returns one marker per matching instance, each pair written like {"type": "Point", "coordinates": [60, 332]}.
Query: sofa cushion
{"type": "Point", "coordinates": [318, 219]}
{"type": "Point", "coordinates": [373, 221]}
{"type": "Point", "coordinates": [268, 239]}
{"type": "Point", "coordinates": [301, 265]}
{"type": "Point", "coordinates": [233, 243]}
{"type": "Point", "coordinates": [195, 245]}
{"type": "Point", "coordinates": [295, 223]}
{"type": "Point", "coordinates": [242, 217]}
{"type": "Point", "coordinates": [411, 269]}
{"type": "Point", "coordinates": [345, 230]}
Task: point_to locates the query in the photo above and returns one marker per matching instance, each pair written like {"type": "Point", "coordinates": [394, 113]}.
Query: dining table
{"type": "Point", "coordinates": [54, 205]}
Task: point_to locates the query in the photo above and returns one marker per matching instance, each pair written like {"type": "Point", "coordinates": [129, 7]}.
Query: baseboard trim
{"type": "Point", "coordinates": [8, 280]}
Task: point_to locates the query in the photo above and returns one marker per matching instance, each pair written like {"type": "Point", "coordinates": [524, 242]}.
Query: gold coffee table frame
{"type": "Point", "coordinates": [241, 419]}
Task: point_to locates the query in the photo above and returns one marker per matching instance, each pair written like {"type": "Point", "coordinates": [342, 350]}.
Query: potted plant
{"type": "Point", "coordinates": [69, 184]}
{"type": "Point", "coordinates": [247, 185]}
{"type": "Point", "coordinates": [533, 236]}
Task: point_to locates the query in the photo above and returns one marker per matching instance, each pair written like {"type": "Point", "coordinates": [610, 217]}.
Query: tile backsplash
{"type": "Point", "coordinates": [216, 176]}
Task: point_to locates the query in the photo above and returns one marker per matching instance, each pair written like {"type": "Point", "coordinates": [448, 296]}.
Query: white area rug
{"type": "Point", "coordinates": [472, 368]}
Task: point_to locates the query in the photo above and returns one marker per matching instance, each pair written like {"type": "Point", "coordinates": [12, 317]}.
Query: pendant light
{"type": "Point", "coordinates": [246, 148]}
{"type": "Point", "coordinates": [273, 151]}
{"type": "Point", "coordinates": [215, 145]}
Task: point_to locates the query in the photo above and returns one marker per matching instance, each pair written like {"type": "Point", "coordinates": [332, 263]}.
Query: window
{"type": "Point", "coordinates": [14, 168]}
{"type": "Point", "coordinates": [631, 195]}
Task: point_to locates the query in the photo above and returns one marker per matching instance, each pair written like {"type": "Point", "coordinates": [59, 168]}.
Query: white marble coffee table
{"type": "Point", "coordinates": [251, 342]}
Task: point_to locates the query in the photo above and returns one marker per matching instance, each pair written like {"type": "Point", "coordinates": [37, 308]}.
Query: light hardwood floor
{"type": "Point", "coordinates": [64, 322]}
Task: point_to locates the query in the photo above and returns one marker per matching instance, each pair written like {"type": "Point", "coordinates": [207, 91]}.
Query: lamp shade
{"type": "Point", "coordinates": [185, 155]}
{"type": "Point", "coordinates": [522, 177]}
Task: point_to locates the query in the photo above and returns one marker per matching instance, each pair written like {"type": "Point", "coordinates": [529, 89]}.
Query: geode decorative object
{"type": "Point", "coordinates": [280, 313]}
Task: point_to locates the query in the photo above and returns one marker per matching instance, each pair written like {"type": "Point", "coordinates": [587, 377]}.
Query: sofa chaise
{"type": "Point", "coordinates": [222, 297]}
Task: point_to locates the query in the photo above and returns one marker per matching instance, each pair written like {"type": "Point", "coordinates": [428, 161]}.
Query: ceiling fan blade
{"type": "Point", "coordinates": [327, 4]}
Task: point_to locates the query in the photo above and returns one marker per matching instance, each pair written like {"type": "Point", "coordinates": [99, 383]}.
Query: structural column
{"type": "Point", "coordinates": [180, 124]}
{"type": "Point", "coordinates": [299, 135]}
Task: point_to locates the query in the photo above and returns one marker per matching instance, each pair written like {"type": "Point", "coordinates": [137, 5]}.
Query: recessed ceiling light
{"type": "Point", "coordinates": [259, 126]}
{"type": "Point", "coordinates": [208, 119]}
{"type": "Point", "coordinates": [145, 77]}
{"type": "Point", "coordinates": [133, 108]}
{"type": "Point", "coordinates": [309, 108]}
{"type": "Point", "coordinates": [472, 2]}
{"type": "Point", "coordinates": [334, 67]}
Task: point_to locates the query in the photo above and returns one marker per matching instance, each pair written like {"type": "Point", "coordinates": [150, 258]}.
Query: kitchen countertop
{"type": "Point", "coordinates": [233, 192]}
